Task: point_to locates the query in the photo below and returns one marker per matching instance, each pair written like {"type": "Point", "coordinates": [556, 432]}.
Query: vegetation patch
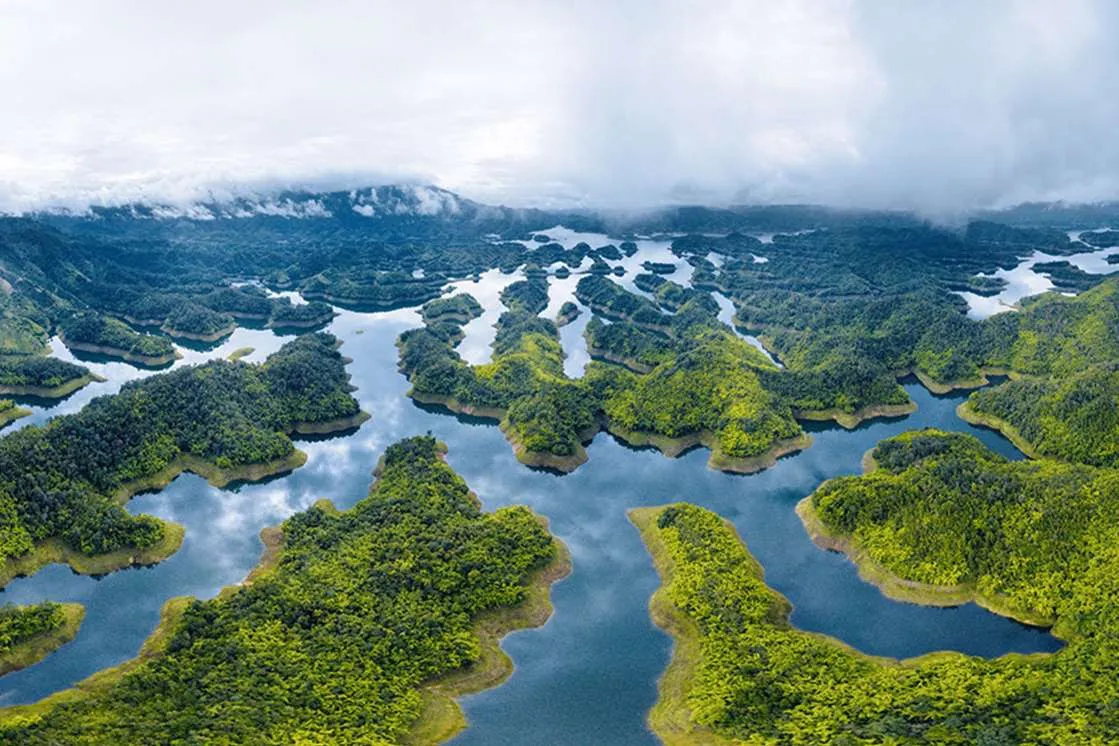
{"type": "Point", "coordinates": [30, 633]}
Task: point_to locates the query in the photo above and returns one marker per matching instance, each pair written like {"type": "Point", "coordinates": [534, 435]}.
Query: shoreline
{"type": "Point", "coordinates": [212, 337]}
{"type": "Point", "coordinates": [8, 416]}
{"type": "Point", "coordinates": [52, 392]}
{"type": "Point", "coordinates": [147, 361]}
{"type": "Point", "coordinates": [31, 651]}
{"type": "Point", "coordinates": [673, 447]}
{"type": "Point", "coordinates": [53, 552]}
{"type": "Point", "coordinates": [441, 718]}
{"type": "Point", "coordinates": [910, 591]}
{"type": "Point", "coordinates": [965, 412]}
{"type": "Point", "coordinates": [851, 420]}
{"type": "Point", "coordinates": [670, 718]}
{"type": "Point", "coordinates": [940, 389]}
{"type": "Point", "coordinates": [668, 446]}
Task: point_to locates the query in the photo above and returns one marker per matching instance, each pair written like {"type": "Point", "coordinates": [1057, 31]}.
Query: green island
{"type": "Point", "coordinates": [30, 633]}
{"type": "Point", "coordinates": [239, 353]}
{"type": "Point", "coordinates": [62, 485]}
{"type": "Point", "coordinates": [568, 312]}
{"type": "Point", "coordinates": [9, 412]}
{"type": "Point", "coordinates": [93, 332]}
{"type": "Point", "coordinates": [357, 627]}
{"type": "Point", "coordinates": [458, 309]}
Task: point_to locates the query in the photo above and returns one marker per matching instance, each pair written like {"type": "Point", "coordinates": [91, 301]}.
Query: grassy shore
{"type": "Point", "coordinates": [966, 413]}
{"type": "Point", "coordinates": [674, 447]}
{"type": "Point", "coordinates": [54, 551]}
{"type": "Point", "coordinates": [12, 414]}
{"type": "Point", "coordinates": [239, 353]}
{"type": "Point", "coordinates": [212, 337]}
{"type": "Point", "coordinates": [33, 650]}
{"type": "Point", "coordinates": [441, 718]}
{"type": "Point", "coordinates": [671, 718]}
{"type": "Point", "coordinates": [52, 392]}
{"type": "Point", "coordinates": [851, 420]}
{"type": "Point", "coordinates": [147, 361]}
{"type": "Point", "coordinates": [156, 643]}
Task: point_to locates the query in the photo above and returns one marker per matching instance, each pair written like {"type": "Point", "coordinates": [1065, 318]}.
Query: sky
{"type": "Point", "coordinates": [937, 106]}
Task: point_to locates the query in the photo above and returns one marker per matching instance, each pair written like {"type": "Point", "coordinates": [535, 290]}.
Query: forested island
{"type": "Point", "coordinates": [62, 485]}
{"type": "Point", "coordinates": [30, 633]}
{"type": "Point", "coordinates": [334, 637]}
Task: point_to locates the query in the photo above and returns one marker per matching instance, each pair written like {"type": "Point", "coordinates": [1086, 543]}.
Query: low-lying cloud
{"type": "Point", "coordinates": [934, 106]}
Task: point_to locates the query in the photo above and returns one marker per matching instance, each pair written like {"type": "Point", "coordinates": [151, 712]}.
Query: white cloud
{"type": "Point", "coordinates": [939, 106]}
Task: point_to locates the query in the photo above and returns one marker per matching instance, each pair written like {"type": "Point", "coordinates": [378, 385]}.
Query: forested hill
{"type": "Point", "coordinates": [338, 633]}
{"type": "Point", "coordinates": [62, 482]}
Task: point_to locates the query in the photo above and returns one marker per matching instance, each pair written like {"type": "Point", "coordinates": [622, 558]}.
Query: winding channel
{"type": "Point", "coordinates": [587, 676]}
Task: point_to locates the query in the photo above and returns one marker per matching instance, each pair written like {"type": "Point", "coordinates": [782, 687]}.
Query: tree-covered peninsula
{"type": "Point", "coordinates": [62, 484]}
{"type": "Point", "coordinates": [357, 627]}
{"type": "Point", "coordinates": [94, 332]}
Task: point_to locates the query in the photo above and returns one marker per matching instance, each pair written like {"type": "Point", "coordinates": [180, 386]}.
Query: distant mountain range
{"type": "Point", "coordinates": [423, 209]}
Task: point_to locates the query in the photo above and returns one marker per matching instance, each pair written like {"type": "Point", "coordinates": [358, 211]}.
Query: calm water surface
{"type": "Point", "coordinates": [589, 675]}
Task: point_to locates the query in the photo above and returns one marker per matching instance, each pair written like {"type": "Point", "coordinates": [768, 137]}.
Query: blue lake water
{"type": "Point", "coordinates": [587, 676]}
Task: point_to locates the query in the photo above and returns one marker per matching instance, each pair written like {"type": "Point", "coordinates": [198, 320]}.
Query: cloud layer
{"type": "Point", "coordinates": [935, 106]}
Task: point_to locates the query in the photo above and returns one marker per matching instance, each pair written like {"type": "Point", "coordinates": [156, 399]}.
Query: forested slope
{"type": "Point", "coordinates": [61, 483]}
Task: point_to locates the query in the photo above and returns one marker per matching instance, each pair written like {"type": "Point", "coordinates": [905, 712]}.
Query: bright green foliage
{"type": "Point", "coordinates": [627, 343]}
{"type": "Point", "coordinates": [18, 624]}
{"type": "Point", "coordinates": [1074, 419]}
{"type": "Point", "coordinates": [95, 329]}
{"type": "Point", "coordinates": [712, 387]}
{"type": "Point", "coordinates": [332, 645]}
{"type": "Point", "coordinates": [38, 372]}
{"type": "Point", "coordinates": [1056, 335]}
{"type": "Point", "coordinates": [56, 480]}
{"type": "Point", "coordinates": [760, 680]}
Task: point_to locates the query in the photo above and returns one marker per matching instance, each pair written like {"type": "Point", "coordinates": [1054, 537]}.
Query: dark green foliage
{"type": "Point", "coordinates": [1101, 239]}
{"type": "Point", "coordinates": [526, 296]}
{"type": "Point", "coordinates": [57, 480]}
{"type": "Point", "coordinates": [333, 645]}
{"type": "Point", "coordinates": [459, 308]}
{"type": "Point", "coordinates": [659, 268]}
{"type": "Point", "coordinates": [301, 314]}
{"type": "Point", "coordinates": [92, 328]}
{"type": "Point", "coordinates": [18, 624]}
{"type": "Point", "coordinates": [38, 372]}
{"type": "Point", "coordinates": [1068, 278]}
{"type": "Point", "coordinates": [193, 319]}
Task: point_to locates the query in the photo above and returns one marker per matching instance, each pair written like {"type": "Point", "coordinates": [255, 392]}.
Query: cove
{"type": "Point", "coordinates": [589, 675]}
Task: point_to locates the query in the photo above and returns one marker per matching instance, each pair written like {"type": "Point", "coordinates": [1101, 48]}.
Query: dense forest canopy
{"type": "Point", "coordinates": [335, 637]}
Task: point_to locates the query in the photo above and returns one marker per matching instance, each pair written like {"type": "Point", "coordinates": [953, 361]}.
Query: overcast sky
{"type": "Point", "coordinates": [939, 106]}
